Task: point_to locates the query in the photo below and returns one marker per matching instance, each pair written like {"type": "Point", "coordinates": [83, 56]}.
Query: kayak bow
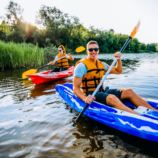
{"type": "Point", "coordinates": [48, 76]}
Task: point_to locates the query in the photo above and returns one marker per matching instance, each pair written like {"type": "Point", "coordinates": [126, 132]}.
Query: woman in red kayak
{"type": "Point", "coordinates": [61, 60]}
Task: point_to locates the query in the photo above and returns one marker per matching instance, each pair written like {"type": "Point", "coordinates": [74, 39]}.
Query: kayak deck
{"type": "Point", "coordinates": [144, 126]}
{"type": "Point", "coordinates": [47, 76]}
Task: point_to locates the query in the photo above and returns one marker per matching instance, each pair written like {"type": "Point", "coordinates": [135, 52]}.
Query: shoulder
{"type": "Point", "coordinates": [80, 70]}
{"type": "Point", "coordinates": [80, 66]}
{"type": "Point", "coordinates": [56, 57]}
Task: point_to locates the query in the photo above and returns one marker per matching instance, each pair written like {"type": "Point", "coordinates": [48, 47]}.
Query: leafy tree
{"type": "Point", "coordinates": [151, 47]}
{"type": "Point", "coordinates": [14, 13]}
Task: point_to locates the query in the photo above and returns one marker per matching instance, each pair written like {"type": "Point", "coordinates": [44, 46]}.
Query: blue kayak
{"type": "Point", "coordinates": [144, 126]}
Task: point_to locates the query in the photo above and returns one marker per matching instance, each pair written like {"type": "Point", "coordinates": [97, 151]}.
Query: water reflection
{"type": "Point", "coordinates": [128, 65]}
{"type": "Point", "coordinates": [34, 122]}
{"type": "Point", "coordinates": [48, 88]}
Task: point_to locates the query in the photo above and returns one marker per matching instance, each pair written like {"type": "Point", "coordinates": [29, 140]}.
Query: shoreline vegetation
{"type": "Point", "coordinates": [23, 45]}
{"type": "Point", "coordinates": [23, 55]}
{"type": "Point", "coordinates": [14, 55]}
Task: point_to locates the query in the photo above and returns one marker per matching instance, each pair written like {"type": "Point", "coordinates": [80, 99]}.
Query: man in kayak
{"type": "Point", "coordinates": [88, 74]}
{"type": "Point", "coordinates": [61, 60]}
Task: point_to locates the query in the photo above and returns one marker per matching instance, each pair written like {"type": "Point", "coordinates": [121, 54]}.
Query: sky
{"type": "Point", "coordinates": [120, 15]}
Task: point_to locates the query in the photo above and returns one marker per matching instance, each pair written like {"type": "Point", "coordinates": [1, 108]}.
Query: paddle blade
{"type": "Point", "coordinates": [135, 30]}
{"type": "Point", "coordinates": [80, 49]}
{"type": "Point", "coordinates": [28, 72]}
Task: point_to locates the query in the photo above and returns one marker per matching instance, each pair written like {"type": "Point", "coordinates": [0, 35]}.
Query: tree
{"type": "Point", "coordinates": [14, 13]}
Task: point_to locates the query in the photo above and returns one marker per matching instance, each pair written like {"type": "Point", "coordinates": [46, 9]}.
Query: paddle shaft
{"type": "Point", "coordinates": [60, 58]}
{"type": "Point", "coordinates": [49, 64]}
{"type": "Point", "coordinates": [104, 77]}
{"type": "Point", "coordinates": [42, 66]}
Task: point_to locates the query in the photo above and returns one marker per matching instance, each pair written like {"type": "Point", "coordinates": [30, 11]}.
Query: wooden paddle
{"type": "Point", "coordinates": [133, 33]}
{"type": "Point", "coordinates": [32, 71]}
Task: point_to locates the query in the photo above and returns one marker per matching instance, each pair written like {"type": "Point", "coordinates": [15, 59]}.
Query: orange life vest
{"type": "Point", "coordinates": [95, 72]}
{"type": "Point", "coordinates": [62, 63]}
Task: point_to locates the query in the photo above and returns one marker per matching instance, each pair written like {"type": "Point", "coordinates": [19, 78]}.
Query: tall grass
{"type": "Point", "coordinates": [13, 56]}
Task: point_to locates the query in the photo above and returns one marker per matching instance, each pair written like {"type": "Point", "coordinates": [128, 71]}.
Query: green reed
{"type": "Point", "coordinates": [13, 55]}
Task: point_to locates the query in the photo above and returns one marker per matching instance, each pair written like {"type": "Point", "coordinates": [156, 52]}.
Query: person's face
{"type": "Point", "coordinates": [93, 51]}
{"type": "Point", "coordinates": [60, 50]}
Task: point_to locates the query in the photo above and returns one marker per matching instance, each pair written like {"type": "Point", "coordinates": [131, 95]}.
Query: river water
{"type": "Point", "coordinates": [35, 123]}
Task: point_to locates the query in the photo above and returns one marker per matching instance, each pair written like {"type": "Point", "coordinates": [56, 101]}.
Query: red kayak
{"type": "Point", "coordinates": [47, 76]}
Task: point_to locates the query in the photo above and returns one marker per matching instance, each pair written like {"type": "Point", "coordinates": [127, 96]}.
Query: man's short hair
{"type": "Point", "coordinates": [92, 42]}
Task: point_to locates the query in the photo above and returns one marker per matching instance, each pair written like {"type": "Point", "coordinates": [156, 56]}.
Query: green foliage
{"type": "Point", "coordinates": [14, 55]}
{"type": "Point", "coordinates": [61, 28]}
{"type": "Point", "coordinates": [151, 47]}
{"type": "Point", "coordinates": [5, 28]}
{"type": "Point", "coordinates": [50, 53]}
{"type": "Point", "coordinates": [157, 47]}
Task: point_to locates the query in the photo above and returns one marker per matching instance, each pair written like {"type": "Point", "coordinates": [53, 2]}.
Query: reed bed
{"type": "Point", "coordinates": [14, 56]}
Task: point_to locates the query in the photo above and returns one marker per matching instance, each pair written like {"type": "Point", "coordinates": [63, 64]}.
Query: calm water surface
{"type": "Point", "coordinates": [35, 123]}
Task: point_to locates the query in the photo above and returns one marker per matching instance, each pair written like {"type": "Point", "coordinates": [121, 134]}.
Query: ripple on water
{"type": "Point", "coordinates": [34, 122]}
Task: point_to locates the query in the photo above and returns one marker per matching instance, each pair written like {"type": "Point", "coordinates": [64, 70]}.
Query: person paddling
{"type": "Point", "coordinates": [61, 60]}
{"type": "Point", "coordinates": [87, 75]}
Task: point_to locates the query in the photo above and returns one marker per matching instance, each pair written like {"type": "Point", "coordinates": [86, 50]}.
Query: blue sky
{"type": "Point", "coordinates": [120, 15]}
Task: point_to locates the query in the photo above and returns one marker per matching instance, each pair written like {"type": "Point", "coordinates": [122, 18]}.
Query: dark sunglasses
{"type": "Point", "coordinates": [91, 49]}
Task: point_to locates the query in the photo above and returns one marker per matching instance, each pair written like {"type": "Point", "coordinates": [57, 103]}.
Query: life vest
{"type": "Point", "coordinates": [62, 63]}
{"type": "Point", "coordinates": [95, 72]}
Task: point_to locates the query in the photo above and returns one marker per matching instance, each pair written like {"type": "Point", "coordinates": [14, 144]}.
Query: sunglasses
{"type": "Point", "coordinates": [91, 49]}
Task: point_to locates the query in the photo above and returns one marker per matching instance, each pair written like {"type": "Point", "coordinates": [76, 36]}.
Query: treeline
{"type": "Point", "coordinates": [58, 28]}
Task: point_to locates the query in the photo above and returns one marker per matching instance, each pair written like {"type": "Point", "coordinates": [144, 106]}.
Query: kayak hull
{"type": "Point", "coordinates": [48, 76]}
{"type": "Point", "coordinates": [144, 126]}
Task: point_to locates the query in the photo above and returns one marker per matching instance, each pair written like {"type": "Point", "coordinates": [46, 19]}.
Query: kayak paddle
{"type": "Point", "coordinates": [32, 71]}
{"type": "Point", "coordinates": [80, 49]}
{"type": "Point", "coordinates": [133, 33]}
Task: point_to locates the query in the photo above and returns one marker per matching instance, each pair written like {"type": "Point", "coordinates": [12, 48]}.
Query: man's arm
{"type": "Point", "coordinates": [118, 68]}
{"type": "Point", "coordinates": [76, 88]}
